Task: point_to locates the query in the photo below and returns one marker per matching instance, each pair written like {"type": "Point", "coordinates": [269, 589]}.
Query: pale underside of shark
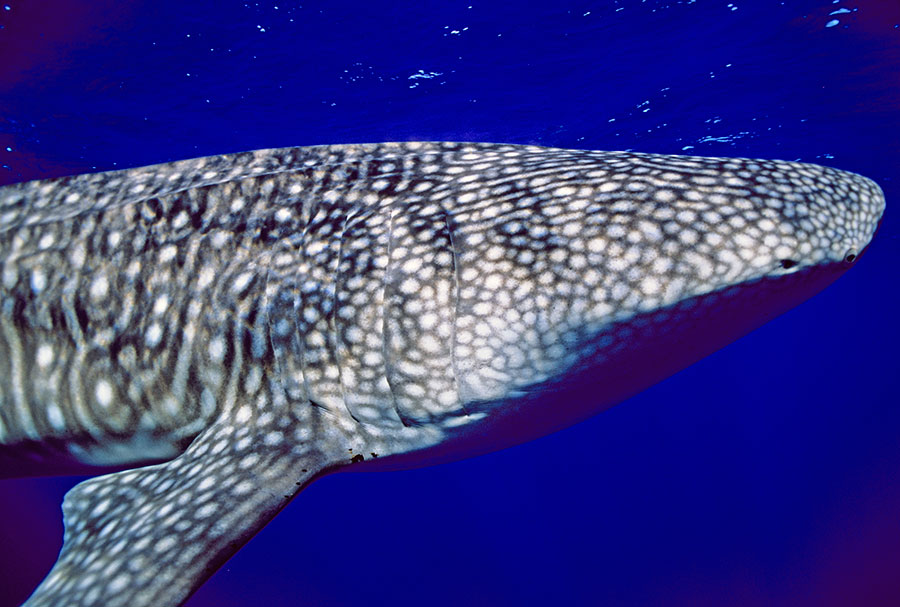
{"type": "Point", "coordinates": [252, 321]}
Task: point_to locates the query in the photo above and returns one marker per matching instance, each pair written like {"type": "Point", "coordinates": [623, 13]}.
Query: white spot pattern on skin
{"type": "Point", "coordinates": [45, 355]}
{"type": "Point", "coordinates": [104, 393]}
{"type": "Point", "coordinates": [154, 335]}
{"type": "Point", "coordinates": [55, 417]}
{"type": "Point", "coordinates": [284, 312]}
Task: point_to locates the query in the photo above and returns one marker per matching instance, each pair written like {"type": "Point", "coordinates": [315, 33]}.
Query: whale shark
{"type": "Point", "coordinates": [209, 336]}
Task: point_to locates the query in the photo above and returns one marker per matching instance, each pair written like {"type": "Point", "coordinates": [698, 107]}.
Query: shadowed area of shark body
{"type": "Point", "coordinates": [253, 321]}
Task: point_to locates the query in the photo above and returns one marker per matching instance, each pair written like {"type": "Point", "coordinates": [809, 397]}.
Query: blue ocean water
{"type": "Point", "coordinates": [766, 474]}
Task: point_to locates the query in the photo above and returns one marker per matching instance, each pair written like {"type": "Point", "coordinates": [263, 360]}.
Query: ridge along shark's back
{"type": "Point", "coordinates": [266, 317]}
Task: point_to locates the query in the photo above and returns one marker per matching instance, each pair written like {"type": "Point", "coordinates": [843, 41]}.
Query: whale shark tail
{"type": "Point", "coordinates": [153, 535]}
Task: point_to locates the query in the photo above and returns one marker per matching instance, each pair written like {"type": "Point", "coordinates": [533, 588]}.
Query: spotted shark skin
{"type": "Point", "coordinates": [246, 323]}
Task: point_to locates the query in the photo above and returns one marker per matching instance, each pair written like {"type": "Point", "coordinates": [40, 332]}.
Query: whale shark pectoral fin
{"type": "Point", "coordinates": [151, 536]}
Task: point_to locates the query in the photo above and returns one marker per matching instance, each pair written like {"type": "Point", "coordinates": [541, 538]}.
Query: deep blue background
{"type": "Point", "coordinates": [766, 474]}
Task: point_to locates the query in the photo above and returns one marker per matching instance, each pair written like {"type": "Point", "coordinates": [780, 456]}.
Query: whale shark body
{"type": "Point", "coordinates": [221, 331]}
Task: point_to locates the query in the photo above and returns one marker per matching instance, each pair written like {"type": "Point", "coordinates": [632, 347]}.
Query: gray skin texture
{"type": "Point", "coordinates": [248, 322]}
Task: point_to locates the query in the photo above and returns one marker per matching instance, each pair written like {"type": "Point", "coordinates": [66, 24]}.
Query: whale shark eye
{"type": "Point", "coordinates": [850, 257]}
{"type": "Point", "coordinates": [787, 264]}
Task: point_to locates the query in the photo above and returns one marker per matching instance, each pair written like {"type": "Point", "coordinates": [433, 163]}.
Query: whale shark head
{"type": "Point", "coordinates": [757, 219]}
{"type": "Point", "coordinates": [599, 274]}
